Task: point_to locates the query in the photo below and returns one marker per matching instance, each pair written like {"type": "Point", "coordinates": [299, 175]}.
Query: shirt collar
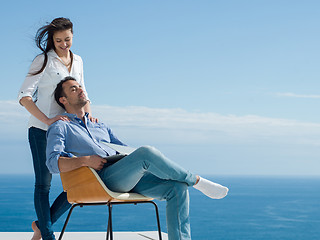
{"type": "Point", "coordinates": [52, 53]}
{"type": "Point", "coordinates": [74, 116]}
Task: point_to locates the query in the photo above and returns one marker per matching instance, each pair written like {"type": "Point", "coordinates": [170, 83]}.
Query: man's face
{"type": "Point", "coordinates": [74, 95]}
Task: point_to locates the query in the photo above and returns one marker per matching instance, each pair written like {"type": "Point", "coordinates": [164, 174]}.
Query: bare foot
{"type": "Point", "coordinates": [36, 230]}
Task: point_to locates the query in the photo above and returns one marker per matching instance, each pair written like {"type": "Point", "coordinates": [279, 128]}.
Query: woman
{"type": "Point", "coordinates": [36, 95]}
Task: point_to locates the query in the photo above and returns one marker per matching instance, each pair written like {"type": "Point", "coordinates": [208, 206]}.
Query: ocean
{"type": "Point", "coordinates": [257, 208]}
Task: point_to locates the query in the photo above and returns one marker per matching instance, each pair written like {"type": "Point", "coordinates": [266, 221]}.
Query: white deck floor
{"type": "Point", "coordinates": [87, 235]}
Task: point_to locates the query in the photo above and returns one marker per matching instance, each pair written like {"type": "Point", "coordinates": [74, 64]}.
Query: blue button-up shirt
{"type": "Point", "coordinates": [77, 138]}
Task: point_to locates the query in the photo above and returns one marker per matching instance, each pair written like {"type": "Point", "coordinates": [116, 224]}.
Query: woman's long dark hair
{"type": "Point", "coordinates": [44, 38]}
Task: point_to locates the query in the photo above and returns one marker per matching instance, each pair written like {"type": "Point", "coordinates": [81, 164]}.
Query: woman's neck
{"type": "Point", "coordinates": [61, 55]}
{"type": "Point", "coordinates": [65, 59]}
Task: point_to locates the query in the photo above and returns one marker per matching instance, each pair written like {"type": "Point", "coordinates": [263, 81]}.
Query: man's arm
{"type": "Point", "coordinates": [58, 159]}
{"type": "Point", "coordinates": [113, 138]}
{"type": "Point", "coordinates": [67, 164]}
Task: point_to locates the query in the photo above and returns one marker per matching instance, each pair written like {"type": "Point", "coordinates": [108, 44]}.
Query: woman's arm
{"type": "Point", "coordinates": [87, 106]}
{"type": "Point", "coordinates": [35, 111]}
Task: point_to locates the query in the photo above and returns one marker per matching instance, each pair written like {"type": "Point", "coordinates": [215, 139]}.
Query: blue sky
{"type": "Point", "coordinates": [221, 87]}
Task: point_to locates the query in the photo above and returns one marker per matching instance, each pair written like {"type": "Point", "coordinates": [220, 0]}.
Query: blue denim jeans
{"type": "Point", "coordinates": [46, 215]}
{"type": "Point", "coordinates": [148, 172]}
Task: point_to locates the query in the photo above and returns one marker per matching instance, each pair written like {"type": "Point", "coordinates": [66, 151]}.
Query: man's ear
{"type": "Point", "coordinates": [63, 100]}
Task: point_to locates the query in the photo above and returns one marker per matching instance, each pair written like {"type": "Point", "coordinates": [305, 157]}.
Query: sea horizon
{"type": "Point", "coordinates": [257, 208]}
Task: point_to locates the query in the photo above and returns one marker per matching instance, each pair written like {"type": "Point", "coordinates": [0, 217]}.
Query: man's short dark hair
{"type": "Point", "coordinates": [58, 92]}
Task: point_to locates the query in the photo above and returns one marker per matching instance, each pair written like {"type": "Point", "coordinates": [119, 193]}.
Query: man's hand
{"type": "Point", "coordinates": [96, 162]}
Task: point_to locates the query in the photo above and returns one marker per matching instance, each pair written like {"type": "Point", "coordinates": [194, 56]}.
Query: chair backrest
{"type": "Point", "coordinates": [83, 185]}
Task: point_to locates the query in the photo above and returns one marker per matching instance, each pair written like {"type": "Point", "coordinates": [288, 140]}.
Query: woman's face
{"type": "Point", "coordinates": [62, 41]}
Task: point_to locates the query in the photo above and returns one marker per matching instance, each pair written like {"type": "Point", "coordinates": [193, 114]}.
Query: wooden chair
{"type": "Point", "coordinates": [84, 187]}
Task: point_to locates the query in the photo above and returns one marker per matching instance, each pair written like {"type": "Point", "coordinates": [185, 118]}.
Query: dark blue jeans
{"type": "Point", "coordinates": [46, 216]}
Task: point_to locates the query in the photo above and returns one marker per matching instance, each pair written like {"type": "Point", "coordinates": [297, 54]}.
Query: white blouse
{"type": "Point", "coordinates": [45, 83]}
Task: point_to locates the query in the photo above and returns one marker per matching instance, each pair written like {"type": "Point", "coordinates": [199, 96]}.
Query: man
{"type": "Point", "coordinates": [78, 142]}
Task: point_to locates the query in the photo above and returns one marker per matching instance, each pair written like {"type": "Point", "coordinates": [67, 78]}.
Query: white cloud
{"type": "Point", "coordinates": [294, 95]}
{"type": "Point", "coordinates": [13, 120]}
{"type": "Point", "coordinates": [211, 126]}
{"type": "Point", "coordinates": [219, 143]}
{"type": "Point", "coordinates": [182, 125]}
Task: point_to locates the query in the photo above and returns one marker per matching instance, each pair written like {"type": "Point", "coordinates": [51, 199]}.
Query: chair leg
{"type": "Point", "coordinates": [67, 220]}
{"type": "Point", "coordinates": [135, 203]}
{"type": "Point", "coordinates": [158, 219]}
{"type": "Point", "coordinates": [109, 229]}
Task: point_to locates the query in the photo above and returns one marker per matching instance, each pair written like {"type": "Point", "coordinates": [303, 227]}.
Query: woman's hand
{"type": "Point", "coordinates": [56, 118]}
{"type": "Point", "coordinates": [87, 109]}
{"type": "Point", "coordinates": [92, 119]}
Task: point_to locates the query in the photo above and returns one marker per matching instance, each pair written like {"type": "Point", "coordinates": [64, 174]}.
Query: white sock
{"type": "Point", "coordinates": [211, 189]}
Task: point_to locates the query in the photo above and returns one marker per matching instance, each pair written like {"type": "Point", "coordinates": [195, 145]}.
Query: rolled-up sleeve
{"type": "Point", "coordinates": [31, 81]}
{"type": "Point", "coordinates": [56, 136]}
